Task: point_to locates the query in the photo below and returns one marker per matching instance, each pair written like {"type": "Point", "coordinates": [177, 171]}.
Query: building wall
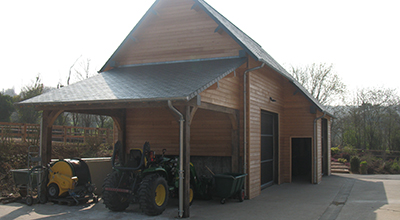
{"type": "Point", "coordinates": [227, 92]}
{"type": "Point", "coordinates": [210, 131]}
{"type": "Point", "coordinates": [262, 84]}
{"type": "Point", "coordinates": [175, 31]}
{"type": "Point", "coordinates": [295, 120]}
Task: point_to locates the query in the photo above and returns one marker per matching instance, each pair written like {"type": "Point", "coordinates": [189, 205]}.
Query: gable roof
{"type": "Point", "coordinates": [255, 50]}
{"type": "Point", "coordinates": [168, 81]}
{"type": "Point", "coordinates": [246, 42]}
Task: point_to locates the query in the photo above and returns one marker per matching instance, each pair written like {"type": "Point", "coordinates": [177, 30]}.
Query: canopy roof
{"type": "Point", "coordinates": [168, 81]}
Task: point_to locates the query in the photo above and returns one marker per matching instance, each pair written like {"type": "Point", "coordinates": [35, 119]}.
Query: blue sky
{"type": "Point", "coordinates": [360, 38]}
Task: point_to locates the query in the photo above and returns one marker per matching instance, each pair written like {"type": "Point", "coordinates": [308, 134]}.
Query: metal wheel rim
{"type": "Point", "coordinates": [191, 195]}
{"type": "Point", "coordinates": [160, 195]}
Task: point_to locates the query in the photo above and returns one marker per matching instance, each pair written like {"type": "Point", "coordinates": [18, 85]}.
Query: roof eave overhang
{"type": "Point", "coordinates": [106, 104]}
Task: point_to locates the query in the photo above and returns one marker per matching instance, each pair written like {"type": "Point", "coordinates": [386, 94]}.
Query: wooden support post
{"type": "Point", "coordinates": [24, 133]}
{"type": "Point", "coordinates": [186, 164]}
{"type": "Point", "coordinates": [119, 117]}
{"type": "Point", "coordinates": [65, 134]}
{"type": "Point", "coordinates": [46, 129]}
{"type": "Point", "coordinates": [120, 122]}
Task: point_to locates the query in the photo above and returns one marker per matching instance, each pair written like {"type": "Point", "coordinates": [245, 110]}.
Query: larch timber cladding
{"type": "Point", "coordinates": [210, 132]}
{"type": "Point", "coordinates": [297, 122]}
{"type": "Point", "coordinates": [263, 84]}
{"type": "Point", "coordinates": [176, 32]}
{"type": "Point", "coordinates": [227, 93]}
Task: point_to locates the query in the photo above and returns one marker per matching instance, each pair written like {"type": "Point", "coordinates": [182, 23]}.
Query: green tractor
{"type": "Point", "coordinates": [144, 178]}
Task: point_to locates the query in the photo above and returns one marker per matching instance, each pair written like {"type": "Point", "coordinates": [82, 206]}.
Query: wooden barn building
{"type": "Point", "coordinates": [242, 111]}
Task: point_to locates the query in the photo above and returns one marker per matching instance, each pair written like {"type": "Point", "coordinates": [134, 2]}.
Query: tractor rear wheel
{"type": "Point", "coordinates": [153, 194]}
{"type": "Point", "coordinates": [191, 195]}
{"type": "Point", "coordinates": [114, 201]}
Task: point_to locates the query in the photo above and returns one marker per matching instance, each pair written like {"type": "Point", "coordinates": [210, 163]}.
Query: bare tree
{"type": "Point", "coordinates": [70, 70]}
{"type": "Point", "coordinates": [83, 71]}
{"type": "Point", "coordinates": [321, 81]}
{"type": "Point", "coordinates": [370, 121]}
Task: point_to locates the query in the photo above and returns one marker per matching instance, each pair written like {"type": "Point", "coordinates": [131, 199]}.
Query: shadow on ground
{"type": "Point", "coordinates": [336, 197]}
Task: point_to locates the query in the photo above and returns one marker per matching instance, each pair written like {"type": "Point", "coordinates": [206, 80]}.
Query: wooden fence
{"type": "Point", "coordinates": [66, 134]}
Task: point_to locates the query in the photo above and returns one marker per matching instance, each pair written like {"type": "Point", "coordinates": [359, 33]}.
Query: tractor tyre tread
{"type": "Point", "coordinates": [114, 201]}
{"type": "Point", "coordinates": [147, 195]}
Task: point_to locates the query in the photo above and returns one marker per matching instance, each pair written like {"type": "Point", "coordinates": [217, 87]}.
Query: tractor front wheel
{"type": "Point", "coordinates": [114, 201]}
{"type": "Point", "coordinates": [153, 194]}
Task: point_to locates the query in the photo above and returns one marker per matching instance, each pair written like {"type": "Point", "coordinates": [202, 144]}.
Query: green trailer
{"type": "Point", "coordinates": [229, 185]}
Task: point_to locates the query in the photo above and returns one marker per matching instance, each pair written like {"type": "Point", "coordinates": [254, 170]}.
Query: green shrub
{"type": "Point", "coordinates": [334, 150]}
{"type": "Point", "coordinates": [349, 150]}
{"type": "Point", "coordinates": [395, 166]}
{"type": "Point", "coordinates": [342, 160]}
{"type": "Point", "coordinates": [355, 164]}
{"type": "Point", "coordinates": [363, 167]}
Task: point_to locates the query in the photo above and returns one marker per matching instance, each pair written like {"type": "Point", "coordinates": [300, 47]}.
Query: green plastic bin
{"type": "Point", "coordinates": [229, 185]}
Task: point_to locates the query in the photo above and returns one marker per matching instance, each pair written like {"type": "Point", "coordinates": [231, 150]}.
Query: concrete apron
{"type": "Point", "coordinates": [340, 196]}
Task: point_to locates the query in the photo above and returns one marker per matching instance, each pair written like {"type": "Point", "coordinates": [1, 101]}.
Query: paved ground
{"type": "Point", "coordinates": [340, 196]}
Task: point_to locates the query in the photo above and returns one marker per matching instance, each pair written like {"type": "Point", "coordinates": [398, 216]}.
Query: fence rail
{"type": "Point", "coordinates": [66, 134]}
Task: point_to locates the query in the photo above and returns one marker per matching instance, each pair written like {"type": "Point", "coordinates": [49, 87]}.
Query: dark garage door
{"type": "Point", "coordinates": [269, 148]}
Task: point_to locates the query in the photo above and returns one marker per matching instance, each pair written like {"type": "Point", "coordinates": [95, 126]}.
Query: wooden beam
{"type": "Point", "coordinates": [234, 121]}
{"type": "Point", "coordinates": [106, 112]}
{"type": "Point", "coordinates": [195, 7]}
{"type": "Point", "coordinates": [120, 122]}
{"type": "Point", "coordinates": [107, 105]}
{"type": "Point", "coordinates": [214, 86]}
{"type": "Point", "coordinates": [48, 118]}
{"type": "Point", "coordinates": [192, 113]}
{"type": "Point", "coordinates": [231, 75]}
{"type": "Point", "coordinates": [217, 108]}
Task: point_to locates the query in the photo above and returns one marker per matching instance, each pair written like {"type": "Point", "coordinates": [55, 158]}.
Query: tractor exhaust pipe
{"type": "Point", "coordinates": [181, 120]}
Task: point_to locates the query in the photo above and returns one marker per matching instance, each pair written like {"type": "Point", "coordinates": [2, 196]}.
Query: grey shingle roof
{"type": "Point", "coordinates": [254, 49]}
{"type": "Point", "coordinates": [173, 81]}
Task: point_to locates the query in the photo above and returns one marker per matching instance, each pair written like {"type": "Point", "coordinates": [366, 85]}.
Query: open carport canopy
{"type": "Point", "coordinates": [142, 83]}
